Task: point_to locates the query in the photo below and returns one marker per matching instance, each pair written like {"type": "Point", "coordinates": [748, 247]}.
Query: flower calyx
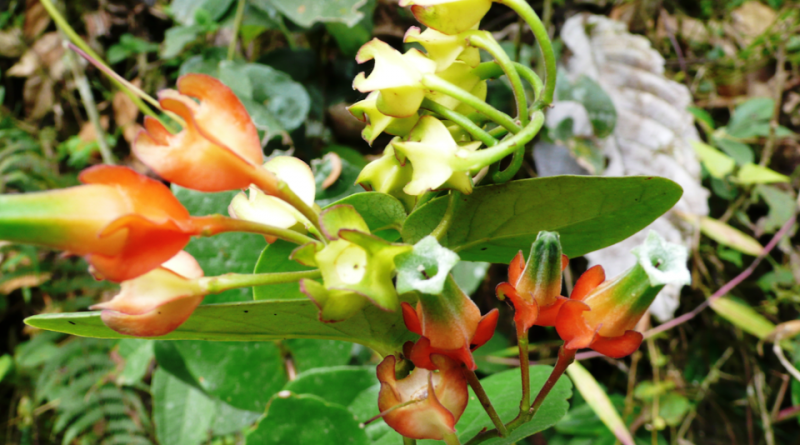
{"type": "Point", "coordinates": [601, 315]}
{"type": "Point", "coordinates": [357, 267]}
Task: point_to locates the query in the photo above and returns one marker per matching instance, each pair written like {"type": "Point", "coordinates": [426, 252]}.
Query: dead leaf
{"type": "Point", "coordinates": [336, 169]}
{"type": "Point", "coordinates": [11, 44]}
{"type": "Point", "coordinates": [36, 19]}
{"type": "Point", "coordinates": [88, 131]}
{"type": "Point", "coordinates": [125, 110]}
{"type": "Point", "coordinates": [752, 19]}
{"type": "Point", "coordinates": [46, 53]}
{"type": "Point", "coordinates": [97, 23]}
{"type": "Point", "coordinates": [38, 96]}
{"type": "Point", "coordinates": [15, 283]}
{"type": "Point", "coordinates": [652, 133]}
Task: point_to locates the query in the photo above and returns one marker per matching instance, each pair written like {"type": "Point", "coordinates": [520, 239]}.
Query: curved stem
{"type": "Point", "coordinates": [531, 77]}
{"type": "Point", "coordinates": [271, 185]}
{"type": "Point", "coordinates": [462, 121]}
{"type": "Point", "coordinates": [436, 83]}
{"type": "Point", "coordinates": [500, 177]}
{"type": "Point", "coordinates": [444, 225]}
{"type": "Point", "coordinates": [475, 384]}
{"type": "Point", "coordinates": [481, 158]}
{"type": "Point", "coordinates": [497, 132]}
{"type": "Point", "coordinates": [215, 224]}
{"type": "Point", "coordinates": [522, 8]}
{"type": "Point", "coordinates": [62, 24]}
{"type": "Point", "coordinates": [485, 41]}
{"type": "Point", "coordinates": [213, 285]}
{"type": "Point", "coordinates": [237, 23]}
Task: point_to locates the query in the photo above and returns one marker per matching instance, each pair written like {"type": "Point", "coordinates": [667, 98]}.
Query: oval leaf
{"type": "Point", "coordinates": [382, 331]}
{"type": "Point", "coordinates": [728, 236]}
{"type": "Point", "coordinates": [589, 213]}
{"type": "Point", "coordinates": [597, 398]}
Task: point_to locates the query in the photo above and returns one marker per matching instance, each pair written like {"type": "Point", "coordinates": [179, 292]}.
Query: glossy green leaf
{"type": "Point", "coordinates": [756, 174]}
{"type": "Point", "coordinates": [275, 258]}
{"type": "Point", "coordinates": [380, 211]}
{"type": "Point", "coordinates": [598, 104]}
{"type": "Point", "coordinates": [307, 420]}
{"type": "Point", "coordinates": [138, 354]}
{"type": "Point", "coordinates": [339, 384]}
{"type": "Point", "coordinates": [716, 162]}
{"type": "Point", "coordinates": [307, 12]}
{"type": "Point", "coordinates": [223, 253]}
{"type": "Point", "coordinates": [254, 321]}
{"type": "Point", "coordinates": [227, 371]}
{"type": "Point", "coordinates": [469, 275]}
{"type": "Point", "coordinates": [740, 152]}
{"type": "Point", "coordinates": [597, 398]}
{"type": "Point", "coordinates": [365, 407]}
{"type": "Point", "coordinates": [781, 207]}
{"type": "Point", "coordinates": [589, 213]}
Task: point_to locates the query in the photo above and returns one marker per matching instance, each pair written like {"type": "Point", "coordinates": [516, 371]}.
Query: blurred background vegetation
{"type": "Point", "coordinates": [711, 380]}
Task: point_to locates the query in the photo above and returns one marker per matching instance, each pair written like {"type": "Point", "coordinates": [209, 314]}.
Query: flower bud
{"type": "Point", "coordinates": [444, 49]}
{"type": "Point", "coordinates": [449, 16]}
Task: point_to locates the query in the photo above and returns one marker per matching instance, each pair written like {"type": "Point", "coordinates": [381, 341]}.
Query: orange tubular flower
{"type": "Point", "coordinates": [535, 287]}
{"type": "Point", "coordinates": [437, 398]}
{"type": "Point", "coordinates": [601, 314]}
{"type": "Point", "coordinates": [124, 223]}
{"type": "Point", "coordinates": [450, 324]}
{"type": "Point", "coordinates": [157, 302]}
{"type": "Point", "coordinates": [217, 150]}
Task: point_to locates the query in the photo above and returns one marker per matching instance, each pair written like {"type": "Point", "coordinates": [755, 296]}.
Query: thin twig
{"type": "Point", "coordinates": [780, 79]}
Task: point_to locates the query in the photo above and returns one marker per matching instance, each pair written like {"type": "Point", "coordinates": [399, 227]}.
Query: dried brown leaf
{"type": "Point", "coordinates": [36, 19]}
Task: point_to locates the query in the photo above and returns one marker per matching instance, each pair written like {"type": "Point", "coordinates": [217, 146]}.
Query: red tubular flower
{"type": "Point", "coordinates": [157, 302]}
{"type": "Point", "coordinates": [450, 324]}
{"type": "Point", "coordinates": [441, 398]}
{"type": "Point", "coordinates": [535, 287]}
{"type": "Point", "coordinates": [601, 314]}
{"type": "Point", "coordinates": [124, 223]}
{"type": "Point", "coordinates": [217, 150]}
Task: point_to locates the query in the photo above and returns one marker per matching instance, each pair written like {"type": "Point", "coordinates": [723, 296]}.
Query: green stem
{"type": "Point", "coordinates": [524, 366]}
{"type": "Point", "coordinates": [522, 8]}
{"type": "Point", "coordinates": [409, 441]}
{"type": "Point", "coordinates": [444, 225]}
{"type": "Point", "coordinates": [501, 177]}
{"type": "Point", "coordinates": [436, 83]}
{"type": "Point", "coordinates": [62, 24]}
{"type": "Point", "coordinates": [286, 33]}
{"type": "Point", "coordinates": [485, 41]}
{"type": "Point", "coordinates": [288, 195]}
{"type": "Point", "coordinates": [475, 384]}
{"type": "Point", "coordinates": [531, 77]}
{"type": "Point", "coordinates": [237, 23]}
{"type": "Point", "coordinates": [481, 158]}
{"type": "Point", "coordinates": [213, 285]}
{"type": "Point", "coordinates": [215, 224]}
{"type": "Point", "coordinates": [497, 132]}
{"type": "Point", "coordinates": [462, 121]}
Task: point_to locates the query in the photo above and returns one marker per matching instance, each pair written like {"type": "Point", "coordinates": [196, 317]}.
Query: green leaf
{"type": "Point", "coordinates": [185, 11]}
{"type": "Point", "coordinates": [729, 236]}
{"type": "Point", "coordinates": [755, 111]}
{"type": "Point", "coordinates": [6, 366]}
{"type": "Point", "coordinates": [382, 331]}
{"type": "Point", "coordinates": [177, 37]}
{"type": "Point", "coordinates": [182, 414]}
{"type": "Point", "coordinates": [306, 353]}
{"type": "Point", "coordinates": [503, 391]}
{"type": "Point", "coordinates": [598, 104]}
{"type": "Point", "coordinates": [741, 315]}
{"type": "Point", "coordinates": [380, 211]}
{"type": "Point", "coordinates": [717, 163]}
{"type": "Point", "coordinates": [349, 38]}
{"type": "Point", "coordinates": [138, 355]}
{"type": "Point", "coordinates": [365, 407]}
{"type": "Point", "coordinates": [701, 115]}
{"type": "Point", "coordinates": [756, 174]}
{"type": "Point", "coordinates": [589, 213]}
{"type": "Point", "coordinates": [425, 268]}
{"type": "Point", "coordinates": [673, 407]}
{"type": "Point", "coordinates": [307, 420]}
{"type": "Point", "coordinates": [781, 207]}
{"type": "Point", "coordinates": [227, 371]}
{"type": "Point", "coordinates": [307, 12]}
{"type": "Point", "coordinates": [339, 385]}
{"type": "Point", "coordinates": [469, 275]}
{"type": "Point", "coordinates": [223, 253]}
{"type": "Point", "coordinates": [275, 258]}
{"type": "Point", "coordinates": [740, 152]}
{"type": "Point", "coordinates": [597, 398]}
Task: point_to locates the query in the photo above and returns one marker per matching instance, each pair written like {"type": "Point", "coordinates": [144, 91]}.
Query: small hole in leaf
{"type": "Point", "coordinates": [483, 248]}
{"type": "Point", "coordinates": [246, 312]}
{"type": "Point", "coordinates": [72, 322]}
